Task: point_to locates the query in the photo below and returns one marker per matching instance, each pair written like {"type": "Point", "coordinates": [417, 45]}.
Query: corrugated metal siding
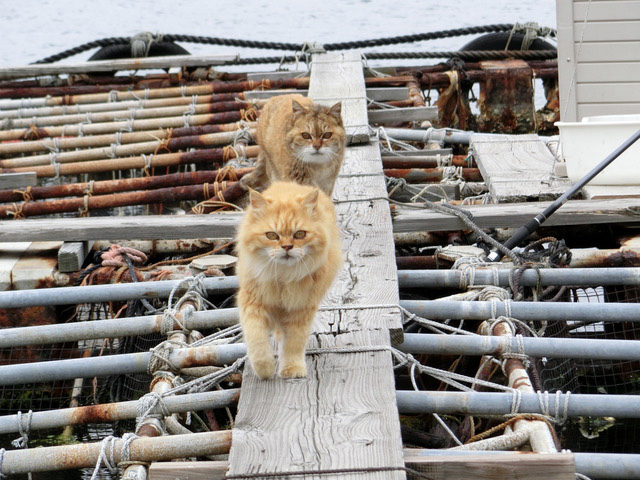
{"type": "Point", "coordinates": [606, 53]}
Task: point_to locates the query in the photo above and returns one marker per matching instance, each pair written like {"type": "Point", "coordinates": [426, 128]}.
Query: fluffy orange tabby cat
{"type": "Point", "coordinates": [300, 141]}
{"type": "Point", "coordinates": [289, 251]}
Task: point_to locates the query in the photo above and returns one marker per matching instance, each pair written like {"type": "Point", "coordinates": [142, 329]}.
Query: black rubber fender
{"type": "Point", "coordinates": [498, 40]}
{"type": "Point", "coordinates": [112, 52]}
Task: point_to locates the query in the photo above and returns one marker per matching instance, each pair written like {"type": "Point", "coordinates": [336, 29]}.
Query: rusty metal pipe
{"type": "Point", "coordinates": [406, 162]}
{"type": "Point", "coordinates": [113, 412]}
{"type": "Point", "coordinates": [430, 175]}
{"type": "Point", "coordinates": [83, 455]}
{"type": "Point", "coordinates": [213, 156]}
{"type": "Point", "coordinates": [105, 187]}
{"type": "Point", "coordinates": [94, 202]}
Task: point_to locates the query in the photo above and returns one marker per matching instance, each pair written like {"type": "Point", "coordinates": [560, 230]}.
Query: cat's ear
{"type": "Point", "coordinates": [310, 202]}
{"type": "Point", "coordinates": [256, 200]}
{"type": "Point", "coordinates": [335, 111]}
{"type": "Point", "coordinates": [297, 108]}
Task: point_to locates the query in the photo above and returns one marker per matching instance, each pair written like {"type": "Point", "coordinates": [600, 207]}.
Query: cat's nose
{"type": "Point", "coordinates": [287, 247]}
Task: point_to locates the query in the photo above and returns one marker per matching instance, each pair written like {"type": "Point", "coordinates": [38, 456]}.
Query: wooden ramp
{"type": "Point", "coordinates": [343, 416]}
{"type": "Point", "coordinates": [517, 168]}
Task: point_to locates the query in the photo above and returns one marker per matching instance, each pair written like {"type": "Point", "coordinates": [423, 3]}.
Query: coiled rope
{"type": "Point", "coordinates": [230, 42]}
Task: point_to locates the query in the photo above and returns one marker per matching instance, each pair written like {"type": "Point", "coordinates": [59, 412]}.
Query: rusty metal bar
{"type": "Point", "coordinates": [404, 162]}
{"type": "Point", "coordinates": [126, 105]}
{"type": "Point", "coordinates": [105, 187]}
{"type": "Point", "coordinates": [146, 449]}
{"type": "Point", "coordinates": [212, 156]}
{"type": "Point", "coordinates": [48, 145]}
{"type": "Point", "coordinates": [429, 175]}
{"type": "Point", "coordinates": [415, 93]}
{"type": "Point", "coordinates": [128, 126]}
{"type": "Point", "coordinates": [164, 146]}
{"type": "Point", "coordinates": [113, 412]}
{"type": "Point", "coordinates": [129, 114]}
{"type": "Point", "coordinates": [230, 194]}
{"type": "Point", "coordinates": [95, 202]}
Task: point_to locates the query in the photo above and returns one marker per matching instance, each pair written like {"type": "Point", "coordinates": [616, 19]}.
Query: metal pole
{"type": "Point", "coordinates": [491, 403]}
{"type": "Point", "coordinates": [106, 293]}
{"type": "Point", "coordinates": [529, 278]}
{"type": "Point", "coordinates": [143, 449]}
{"type": "Point", "coordinates": [117, 327]}
{"type": "Point", "coordinates": [594, 465]}
{"type": "Point", "coordinates": [39, 372]}
{"type": "Point", "coordinates": [113, 412]}
{"type": "Point", "coordinates": [584, 348]}
{"type": "Point", "coordinates": [588, 312]}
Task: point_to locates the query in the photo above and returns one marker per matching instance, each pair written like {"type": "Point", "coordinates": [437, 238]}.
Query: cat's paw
{"type": "Point", "coordinates": [265, 369]}
{"type": "Point", "coordinates": [294, 370]}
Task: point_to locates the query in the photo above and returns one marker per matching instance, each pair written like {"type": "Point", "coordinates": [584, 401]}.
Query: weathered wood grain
{"type": "Point", "coordinates": [343, 414]}
{"type": "Point", "coordinates": [338, 77]}
{"type": "Point", "coordinates": [517, 168]}
{"type": "Point", "coordinates": [72, 254]}
{"type": "Point", "coordinates": [575, 212]}
{"type": "Point", "coordinates": [378, 94]}
{"type": "Point", "coordinates": [18, 180]}
{"type": "Point", "coordinates": [409, 114]}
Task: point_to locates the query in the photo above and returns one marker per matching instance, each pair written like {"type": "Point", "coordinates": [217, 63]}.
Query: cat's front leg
{"type": "Point", "coordinates": [294, 343]}
{"type": "Point", "coordinates": [256, 337]}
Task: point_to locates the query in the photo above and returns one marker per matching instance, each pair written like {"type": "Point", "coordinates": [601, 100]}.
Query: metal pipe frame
{"type": "Point", "coordinates": [143, 449]}
{"type": "Point", "coordinates": [492, 403]}
{"type": "Point", "coordinates": [587, 312]}
{"type": "Point", "coordinates": [113, 412]}
{"type": "Point", "coordinates": [529, 278]}
{"type": "Point", "coordinates": [593, 465]}
{"type": "Point", "coordinates": [39, 372]}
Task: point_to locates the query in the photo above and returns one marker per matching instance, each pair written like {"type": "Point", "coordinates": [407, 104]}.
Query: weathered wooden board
{"type": "Point", "coordinates": [36, 266]}
{"type": "Point", "coordinates": [114, 65]}
{"type": "Point", "coordinates": [558, 466]}
{"type": "Point", "coordinates": [343, 414]}
{"type": "Point", "coordinates": [603, 192]}
{"type": "Point", "coordinates": [71, 255]}
{"type": "Point", "coordinates": [378, 94]}
{"type": "Point", "coordinates": [471, 466]}
{"type": "Point", "coordinates": [18, 180]}
{"type": "Point", "coordinates": [10, 254]}
{"type": "Point", "coordinates": [257, 76]}
{"type": "Point", "coordinates": [517, 167]}
{"type": "Point", "coordinates": [338, 77]}
{"type": "Point", "coordinates": [507, 215]}
{"type": "Point", "coordinates": [409, 114]}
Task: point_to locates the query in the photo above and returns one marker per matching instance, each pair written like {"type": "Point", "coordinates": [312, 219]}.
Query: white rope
{"type": "Point", "coordinates": [106, 456]}
{"type": "Point", "coordinates": [23, 440]}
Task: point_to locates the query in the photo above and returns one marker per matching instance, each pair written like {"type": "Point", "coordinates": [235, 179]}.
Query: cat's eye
{"type": "Point", "coordinates": [300, 234]}
{"type": "Point", "coordinates": [272, 235]}
{"type": "Point", "coordinates": [327, 135]}
{"type": "Point", "coordinates": [306, 136]}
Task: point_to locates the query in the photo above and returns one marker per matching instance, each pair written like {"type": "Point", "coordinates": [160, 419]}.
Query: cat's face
{"type": "Point", "coordinates": [284, 237]}
{"type": "Point", "coordinates": [317, 135]}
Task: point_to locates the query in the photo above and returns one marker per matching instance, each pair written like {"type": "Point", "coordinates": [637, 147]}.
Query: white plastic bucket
{"type": "Point", "coordinates": [585, 144]}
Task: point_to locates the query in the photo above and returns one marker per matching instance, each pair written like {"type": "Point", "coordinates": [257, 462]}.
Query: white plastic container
{"type": "Point", "coordinates": [585, 144]}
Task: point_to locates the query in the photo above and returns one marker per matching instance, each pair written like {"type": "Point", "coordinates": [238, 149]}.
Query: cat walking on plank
{"type": "Point", "coordinates": [300, 141]}
{"type": "Point", "coordinates": [289, 252]}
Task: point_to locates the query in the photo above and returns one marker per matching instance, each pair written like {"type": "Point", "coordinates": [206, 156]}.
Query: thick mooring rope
{"type": "Point", "coordinates": [230, 42]}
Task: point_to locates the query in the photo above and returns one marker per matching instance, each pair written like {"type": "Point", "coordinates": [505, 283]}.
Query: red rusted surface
{"type": "Point", "coordinates": [506, 97]}
{"type": "Point", "coordinates": [415, 94]}
{"type": "Point", "coordinates": [420, 162]}
{"type": "Point", "coordinates": [417, 263]}
{"type": "Point", "coordinates": [230, 194]}
{"type": "Point", "coordinates": [430, 175]}
{"type": "Point", "coordinates": [608, 258]}
{"type": "Point", "coordinates": [94, 414]}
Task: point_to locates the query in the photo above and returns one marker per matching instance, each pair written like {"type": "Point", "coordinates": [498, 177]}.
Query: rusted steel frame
{"type": "Point", "coordinates": [129, 114]}
{"type": "Point", "coordinates": [126, 105]}
{"type": "Point", "coordinates": [427, 262]}
{"type": "Point", "coordinates": [537, 66]}
{"type": "Point", "coordinates": [230, 194]}
{"type": "Point", "coordinates": [84, 455]}
{"type": "Point", "coordinates": [113, 412]}
{"type": "Point", "coordinates": [95, 202]}
{"type": "Point", "coordinates": [590, 257]}
{"type": "Point", "coordinates": [134, 125]}
{"type": "Point", "coordinates": [166, 145]}
{"type": "Point", "coordinates": [106, 187]}
{"type": "Point", "coordinates": [211, 156]}
{"type": "Point", "coordinates": [397, 81]}
{"type": "Point", "coordinates": [405, 162]}
{"type": "Point", "coordinates": [390, 103]}
{"type": "Point", "coordinates": [428, 175]}
{"type": "Point", "coordinates": [415, 93]}
{"type": "Point", "coordinates": [111, 93]}
{"type": "Point", "coordinates": [48, 145]}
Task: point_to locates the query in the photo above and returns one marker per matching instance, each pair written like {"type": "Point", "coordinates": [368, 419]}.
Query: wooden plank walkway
{"type": "Point", "coordinates": [517, 168]}
{"type": "Point", "coordinates": [344, 414]}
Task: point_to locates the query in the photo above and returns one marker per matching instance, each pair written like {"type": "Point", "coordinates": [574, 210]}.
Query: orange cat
{"type": "Point", "coordinates": [288, 254]}
{"type": "Point", "coordinates": [300, 141]}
